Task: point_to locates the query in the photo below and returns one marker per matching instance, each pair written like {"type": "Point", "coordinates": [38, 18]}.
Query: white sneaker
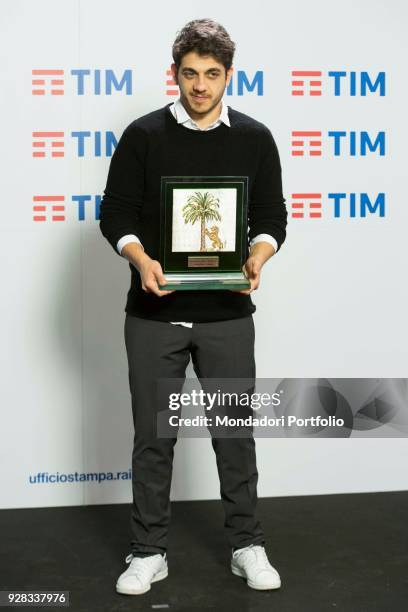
{"type": "Point", "coordinates": [141, 572]}
{"type": "Point", "coordinates": [252, 563]}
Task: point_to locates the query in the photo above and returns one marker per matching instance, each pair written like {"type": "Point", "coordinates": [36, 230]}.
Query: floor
{"type": "Point", "coordinates": [333, 552]}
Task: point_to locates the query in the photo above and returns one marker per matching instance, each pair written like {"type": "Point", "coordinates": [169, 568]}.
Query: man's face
{"type": "Point", "coordinates": [202, 81]}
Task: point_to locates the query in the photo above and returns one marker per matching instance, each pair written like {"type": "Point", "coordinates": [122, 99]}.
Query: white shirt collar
{"type": "Point", "coordinates": [182, 116]}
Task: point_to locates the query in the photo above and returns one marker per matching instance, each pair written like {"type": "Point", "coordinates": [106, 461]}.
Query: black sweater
{"type": "Point", "coordinates": [155, 145]}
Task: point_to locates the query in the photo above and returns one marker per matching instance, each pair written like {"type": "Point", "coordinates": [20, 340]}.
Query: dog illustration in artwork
{"type": "Point", "coordinates": [212, 233]}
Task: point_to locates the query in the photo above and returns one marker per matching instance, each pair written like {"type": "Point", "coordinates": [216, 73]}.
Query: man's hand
{"type": "Point", "coordinates": [252, 271]}
{"type": "Point", "coordinates": [259, 254]}
{"type": "Point", "coordinates": [151, 274]}
{"type": "Point", "coordinates": [150, 270]}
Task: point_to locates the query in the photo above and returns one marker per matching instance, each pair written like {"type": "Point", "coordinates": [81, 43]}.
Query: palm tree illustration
{"type": "Point", "coordinates": [201, 207]}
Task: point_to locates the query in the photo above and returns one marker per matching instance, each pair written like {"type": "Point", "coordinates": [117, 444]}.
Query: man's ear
{"type": "Point", "coordinates": [174, 72]}
{"type": "Point", "coordinates": [229, 75]}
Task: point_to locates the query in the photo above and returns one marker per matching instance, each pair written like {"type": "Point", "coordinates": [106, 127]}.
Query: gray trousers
{"type": "Point", "coordinates": [157, 349]}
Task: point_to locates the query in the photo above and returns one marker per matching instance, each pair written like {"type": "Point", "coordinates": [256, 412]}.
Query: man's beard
{"type": "Point", "coordinates": [198, 111]}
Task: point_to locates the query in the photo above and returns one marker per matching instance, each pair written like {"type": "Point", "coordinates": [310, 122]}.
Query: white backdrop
{"type": "Point", "coordinates": [332, 303]}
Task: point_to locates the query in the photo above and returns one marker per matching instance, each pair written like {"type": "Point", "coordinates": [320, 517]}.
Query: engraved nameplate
{"type": "Point", "coordinates": [203, 262]}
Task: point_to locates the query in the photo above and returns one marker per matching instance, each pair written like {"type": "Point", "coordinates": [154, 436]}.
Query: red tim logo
{"type": "Point", "coordinates": [48, 142]}
{"type": "Point", "coordinates": [312, 79]}
{"type": "Point", "coordinates": [309, 139]}
{"type": "Point", "coordinates": [54, 202]}
{"type": "Point", "coordinates": [49, 82]}
{"type": "Point", "coordinates": [171, 85]}
{"type": "Point", "coordinates": [310, 201]}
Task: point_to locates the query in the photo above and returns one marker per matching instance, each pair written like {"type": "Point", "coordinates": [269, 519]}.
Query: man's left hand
{"type": "Point", "coordinates": [259, 254]}
{"type": "Point", "coordinates": [252, 271]}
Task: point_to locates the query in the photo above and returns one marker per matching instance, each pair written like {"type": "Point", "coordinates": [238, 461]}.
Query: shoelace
{"type": "Point", "coordinates": [246, 555]}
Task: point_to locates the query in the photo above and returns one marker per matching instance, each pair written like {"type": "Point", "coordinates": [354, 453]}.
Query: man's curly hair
{"type": "Point", "coordinates": [205, 37]}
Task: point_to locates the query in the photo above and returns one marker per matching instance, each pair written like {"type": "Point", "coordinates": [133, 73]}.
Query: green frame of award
{"type": "Point", "coordinates": [204, 200]}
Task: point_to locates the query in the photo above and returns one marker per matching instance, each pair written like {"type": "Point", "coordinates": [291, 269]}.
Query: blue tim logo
{"type": "Point", "coordinates": [98, 82]}
{"type": "Point", "coordinates": [81, 82]}
{"type": "Point", "coordinates": [309, 143]}
{"type": "Point", "coordinates": [57, 208]}
{"type": "Point", "coordinates": [337, 83]}
{"type": "Point", "coordinates": [337, 205]}
{"type": "Point", "coordinates": [82, 143]}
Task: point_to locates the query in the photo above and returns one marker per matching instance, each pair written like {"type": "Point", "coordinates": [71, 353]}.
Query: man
{"type": "Point", "coordinates": [198, 135]}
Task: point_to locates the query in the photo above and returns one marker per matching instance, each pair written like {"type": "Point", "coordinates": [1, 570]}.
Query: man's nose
{"type": "Point", "coordinates": [199, 84]}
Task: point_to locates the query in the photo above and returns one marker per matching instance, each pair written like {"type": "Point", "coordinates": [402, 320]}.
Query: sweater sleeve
{"type": "Point", "coordinates": [267, 212]}
{"type": "Point", "coordinates": [123, 196]}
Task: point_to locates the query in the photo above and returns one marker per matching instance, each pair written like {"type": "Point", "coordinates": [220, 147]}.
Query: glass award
{"type": "Point", "coordinates": [203, 232]}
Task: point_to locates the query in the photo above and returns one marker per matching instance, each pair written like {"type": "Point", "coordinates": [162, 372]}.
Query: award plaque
{"type": "Point", "coordinates": [203, 232]}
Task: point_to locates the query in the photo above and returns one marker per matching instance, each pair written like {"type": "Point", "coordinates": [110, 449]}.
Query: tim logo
{"type": "Point", "coordinates": [48, 144]}
{"type": "Point", "coordinates": [82, 81]}
{"type": "Point", "coordinates": [350, 205]}
{"type": "Point", "coordinates": [337, 82]}
{"type": "Point", "coordinates": [53, 208]}
{"type": "Point", "coordinates": [240, 84]}
{"type": "Point", "coordinates": [51, 205]}
{"type": "Point", "coordinates": [308, 143]}
{"type": "Point", "coordinates": [82, 143]}
{"type": "Point", "coordinates": [50, 82]}
{"type": "Point", "coordinates": [306, 83]}
{"type": "Point", "coordinates": [306, 205]}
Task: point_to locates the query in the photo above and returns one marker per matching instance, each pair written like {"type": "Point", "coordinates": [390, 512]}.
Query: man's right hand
{"type": "Point", "coordinates": [150, 270]}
